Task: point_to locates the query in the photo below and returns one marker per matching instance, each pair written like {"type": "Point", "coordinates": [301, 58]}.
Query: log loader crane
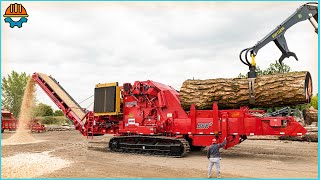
{"type": "Point", "coordinates": [147, 117]}
{"type": "Point", "coordinates": [307, 11]}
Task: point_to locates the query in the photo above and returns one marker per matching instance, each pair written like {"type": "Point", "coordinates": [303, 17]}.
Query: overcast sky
{"type": "Point", "coordinates": [82, 44]}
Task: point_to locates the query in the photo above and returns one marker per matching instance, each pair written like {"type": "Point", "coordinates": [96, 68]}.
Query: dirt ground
{"type": "Point", "coordinates": [84, 158]}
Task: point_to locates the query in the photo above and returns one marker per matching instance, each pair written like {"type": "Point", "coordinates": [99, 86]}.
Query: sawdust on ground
{"type": "Point", "coordinates": [29, 165]}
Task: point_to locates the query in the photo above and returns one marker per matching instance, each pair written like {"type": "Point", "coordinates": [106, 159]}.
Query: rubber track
{"type": "Point", "coordinates": [185, 143]}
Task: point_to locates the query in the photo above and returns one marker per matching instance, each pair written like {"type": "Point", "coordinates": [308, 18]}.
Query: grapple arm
{"type": "Point", "coordinates": [307, 11]}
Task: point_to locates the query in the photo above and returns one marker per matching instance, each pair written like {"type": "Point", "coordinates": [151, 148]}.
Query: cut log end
{"type": "Point", "coordinates": [308, 87]}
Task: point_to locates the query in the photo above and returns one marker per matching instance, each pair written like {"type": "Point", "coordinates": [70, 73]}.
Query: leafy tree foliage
{"type": "Point", "coordinates": [58, 113]}
{"type": "Point", "coordinates": [13, 87]}
{"type": "Point", "coordinates": [42, 110]}
{"type": "Point", "coordinates": [277, 68]}
{"type": "Point", "coordinates": [272, 69]}
{"type": "Point", "coordinates": [314, 101]}
{"type": "Point", "coordinates": [49, 120]}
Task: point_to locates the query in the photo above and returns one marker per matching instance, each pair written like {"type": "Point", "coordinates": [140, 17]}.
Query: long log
{"type": "Point", "coordinates": [270, 91]}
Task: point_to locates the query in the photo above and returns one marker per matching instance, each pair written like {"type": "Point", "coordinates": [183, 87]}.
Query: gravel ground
{"type": "Point", "coordinates": [65, 154]}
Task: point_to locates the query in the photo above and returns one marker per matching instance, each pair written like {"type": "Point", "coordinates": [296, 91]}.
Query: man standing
{"type": "Point", "coordinates": [214, 156]}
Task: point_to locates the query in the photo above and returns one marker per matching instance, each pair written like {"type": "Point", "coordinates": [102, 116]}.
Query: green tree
{"type": "Point", "coordinates": [272, 69]}
{"type": "Point", "coordinates": [42, 110]}
{"type": "Point", "coordinates": [58, 113]}
{"type": "Point", "coordinates": [49, 120]}
{"type": "Point", "coordinates": [314, 101]}
{"type": "Point", "coordinates": [277, 68]}
{"type": "Point", "coordinates": [13, 87]}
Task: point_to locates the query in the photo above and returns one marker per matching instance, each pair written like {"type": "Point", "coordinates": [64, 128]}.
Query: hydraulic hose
{"type": "Point", "coordinates": [247, 56]}
{"type": "Point", "coordinates": [246, 62]}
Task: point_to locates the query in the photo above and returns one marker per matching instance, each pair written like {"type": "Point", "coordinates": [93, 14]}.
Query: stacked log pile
{"type": "Point", "coordinates": [310, 115]}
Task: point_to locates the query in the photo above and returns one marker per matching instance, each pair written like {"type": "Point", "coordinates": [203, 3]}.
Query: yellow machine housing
{"type": "Point", "coordinates": [107, 99]}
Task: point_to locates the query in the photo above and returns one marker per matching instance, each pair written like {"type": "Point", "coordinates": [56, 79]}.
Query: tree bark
{"type": "Point", "coordinates": [270, 91]}
{"type": "Point", "coordinates": [310, 115]}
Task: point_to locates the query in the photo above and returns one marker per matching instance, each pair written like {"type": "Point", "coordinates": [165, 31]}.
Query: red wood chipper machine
{"type": "Point", "coordinates": [147, 117]}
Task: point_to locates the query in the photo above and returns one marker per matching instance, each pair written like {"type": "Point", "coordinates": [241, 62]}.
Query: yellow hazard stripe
{"type": "Point", "coordinates": [106, 85]}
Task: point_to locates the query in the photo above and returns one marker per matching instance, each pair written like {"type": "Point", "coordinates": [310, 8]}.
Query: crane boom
{"type": "Point", "coordinates": [307, 11]}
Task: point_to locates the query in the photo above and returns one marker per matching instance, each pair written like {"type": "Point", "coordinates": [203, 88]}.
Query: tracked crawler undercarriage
{"type": "Point", "coordinates": [153, 145]}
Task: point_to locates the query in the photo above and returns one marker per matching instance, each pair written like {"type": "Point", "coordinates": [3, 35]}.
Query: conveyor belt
{"type": "Point", "coordinates": [67, 99]}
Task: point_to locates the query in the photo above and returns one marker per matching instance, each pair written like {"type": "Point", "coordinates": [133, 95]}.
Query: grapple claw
{"type": "Point", "coordinates": [287, 55]}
